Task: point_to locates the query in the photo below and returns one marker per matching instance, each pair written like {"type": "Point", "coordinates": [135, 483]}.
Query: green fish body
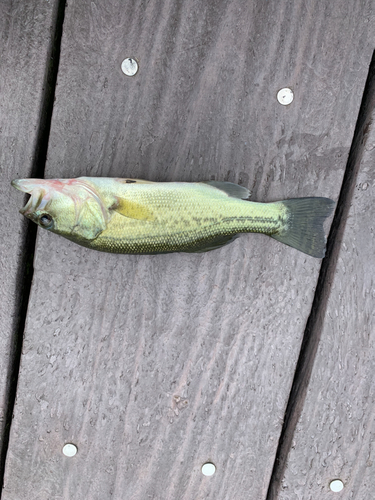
{"type": "Point", "coordinates": [141, 217]}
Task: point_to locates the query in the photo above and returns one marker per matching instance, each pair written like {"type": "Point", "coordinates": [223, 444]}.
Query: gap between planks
{"type": "Point", "coordinates": [315, 321]}
{"type": "Point", "coordinates": [25, 269]}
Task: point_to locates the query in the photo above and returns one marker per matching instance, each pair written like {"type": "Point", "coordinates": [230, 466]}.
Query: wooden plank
{"type": "Point", "coordinates": [25, 45]}
{"type": "Point", "coordinates": [153, 365]}
{"type": "Point", "coordinates": [335, 435]}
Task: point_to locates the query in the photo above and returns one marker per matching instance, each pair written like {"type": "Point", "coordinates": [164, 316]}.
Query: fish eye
{"type": "Point", "coordinates": [46, 221]}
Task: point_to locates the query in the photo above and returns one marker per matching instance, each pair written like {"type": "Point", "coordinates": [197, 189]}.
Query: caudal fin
{"type": "Point", "coordinates": [304, 225]}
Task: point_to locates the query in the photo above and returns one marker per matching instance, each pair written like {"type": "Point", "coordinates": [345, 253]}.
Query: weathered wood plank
{"type": "Point", "coordinates": [25, 29]}
{"type": "Point", "coordinates": [153, 365]}
{"type": "Point", "coordinates": [335, 434]}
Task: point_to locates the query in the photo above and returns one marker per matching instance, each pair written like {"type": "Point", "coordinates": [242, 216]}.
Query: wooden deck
{"type": "Point", "coordinates": [254, 357]}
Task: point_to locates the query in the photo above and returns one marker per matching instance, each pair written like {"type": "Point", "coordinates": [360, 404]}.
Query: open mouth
{"type": "Point", "coordinates": [26, 185]}
{"type": "Point", "coordinates": [37, 200]}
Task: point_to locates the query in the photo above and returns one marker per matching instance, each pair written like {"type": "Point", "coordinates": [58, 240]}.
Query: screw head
{"type": "Point", "coordinates": [208, 469]}
{"type": "Point", "coordinates": [285, 96]}
{"type": "Point", "coordinates": [70, 450]}
{"type": "Point", "coordinates": [336, 485]}
{"type": "Point", "coordinates": [129, 66]}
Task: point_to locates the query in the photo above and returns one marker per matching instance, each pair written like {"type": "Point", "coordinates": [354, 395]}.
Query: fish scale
{"type": "Point", "coordinates": [195, 230]}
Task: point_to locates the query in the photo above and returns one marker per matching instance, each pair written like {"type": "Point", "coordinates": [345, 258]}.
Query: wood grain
{"type": "Point", "coordinates": [335, 435]}
{"type": "Point", "coordinates": [25, 42]}
{"type": "Point", "coordinates": [153, 365]}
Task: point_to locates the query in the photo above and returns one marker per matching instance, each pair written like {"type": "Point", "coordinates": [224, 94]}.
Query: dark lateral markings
{"type": "Point", "coordinates": [260, 220]}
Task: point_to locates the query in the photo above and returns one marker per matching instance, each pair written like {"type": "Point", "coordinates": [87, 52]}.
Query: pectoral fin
{"type": "Point", "coordinates": [132, 209]}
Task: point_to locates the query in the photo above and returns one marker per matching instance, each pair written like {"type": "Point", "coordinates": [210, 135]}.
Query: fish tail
{"type": "Point", "coordinates": [303, 228]}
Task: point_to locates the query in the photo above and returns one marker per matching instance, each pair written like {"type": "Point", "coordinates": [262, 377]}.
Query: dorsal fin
{"type": "Point", "coordinates": [133, 181]}
{"type": "Point", "coordinates": [229, 188]}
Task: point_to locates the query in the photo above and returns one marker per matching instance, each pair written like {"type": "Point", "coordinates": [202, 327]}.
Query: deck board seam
{"type": "Point", "coordinates": [25, 267]}
{"type": "Point", "coordinates": [315, 320]}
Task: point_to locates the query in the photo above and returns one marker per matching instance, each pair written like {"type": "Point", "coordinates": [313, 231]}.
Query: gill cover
{"type": "Point", "coordinates": [91, 219]}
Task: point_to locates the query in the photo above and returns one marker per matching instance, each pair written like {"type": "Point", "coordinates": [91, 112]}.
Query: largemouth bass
{"type": "Point", "coordinates": [141, 217]}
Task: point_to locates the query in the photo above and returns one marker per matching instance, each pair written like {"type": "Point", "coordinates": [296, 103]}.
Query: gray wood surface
{"type": "Point", "coordinates": [25, 29]}
{"type": "Point", "coordinates": [154, 365]}
{"type": "Point", "coordinates": [335, 435]}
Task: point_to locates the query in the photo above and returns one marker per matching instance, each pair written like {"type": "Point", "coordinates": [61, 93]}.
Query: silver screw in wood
{"type": "Point", "coordinates": [129, 66]}
{"type": "Point", "coordinates": [336, 485]}
{"type": "Point", "coordinates": [285, 96]}
{"type": "Point", "coordinates": [208, 469]}
{"type": "Point", "coordinates": [70, 450]}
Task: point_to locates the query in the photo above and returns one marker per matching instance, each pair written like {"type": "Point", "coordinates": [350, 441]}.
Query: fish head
{"type": "Point", "coordinates": [69, 207]}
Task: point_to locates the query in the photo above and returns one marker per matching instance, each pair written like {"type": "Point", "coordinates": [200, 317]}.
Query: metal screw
{"type": "Point", "coordinates": [208, 469]}
{"type": "Point", "coordinates": [336, 485]}
{"type": "Point", "coordinates": [129, 66]}
{"type": "Point", "coordinates": [285, 96]}
{"type": "Point", "coordinates": [70, 450]}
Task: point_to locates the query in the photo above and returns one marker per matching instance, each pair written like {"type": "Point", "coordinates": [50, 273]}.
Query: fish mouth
{"type": "Point", "coordinates": [35, 189]}
{"type": "Point", "coordinates": [29, 185]}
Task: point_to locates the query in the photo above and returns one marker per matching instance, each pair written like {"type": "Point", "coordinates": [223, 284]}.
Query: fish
{"type": "Point", "coordinates": [134, 216]}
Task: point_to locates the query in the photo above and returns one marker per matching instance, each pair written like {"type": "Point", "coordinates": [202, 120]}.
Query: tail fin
{"type": "Point", "coordinates": [304, 225]}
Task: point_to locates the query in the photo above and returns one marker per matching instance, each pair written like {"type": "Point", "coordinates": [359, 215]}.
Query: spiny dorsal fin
{"type": "Point", "coordinates": [132, 209]}
{"type": "Point", "coordinates": [134, 181]}
{"type": "Point", "coordinates": [229, 188]}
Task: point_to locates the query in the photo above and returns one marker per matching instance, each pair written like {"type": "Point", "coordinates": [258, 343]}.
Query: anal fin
{"type": "Point", "coordinates": [213, 244]}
